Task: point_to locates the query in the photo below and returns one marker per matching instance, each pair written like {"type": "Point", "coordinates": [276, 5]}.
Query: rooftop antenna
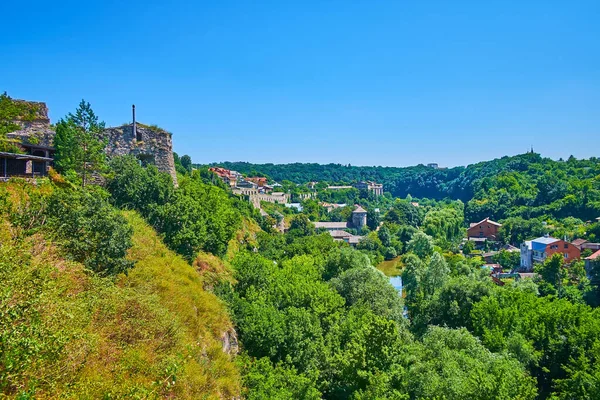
{"type": "Point", "coordinates": [135, 134]}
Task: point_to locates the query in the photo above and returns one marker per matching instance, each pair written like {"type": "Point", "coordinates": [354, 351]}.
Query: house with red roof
{"type": "Point", "coordinates": [485, 228]}
{"type": "Point", "coordinates": [591, 262]}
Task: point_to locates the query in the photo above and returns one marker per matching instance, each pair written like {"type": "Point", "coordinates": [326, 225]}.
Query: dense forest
{"type": "Point", "coordinates": [131, 287]}
{"type": "Point", "coordinates": [525, 185]}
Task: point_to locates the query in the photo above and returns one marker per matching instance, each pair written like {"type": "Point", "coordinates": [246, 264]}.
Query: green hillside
{"type": "Point", "coordinates": [69, 333]}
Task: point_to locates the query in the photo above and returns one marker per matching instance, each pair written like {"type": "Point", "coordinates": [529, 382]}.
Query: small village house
{"type": "Point", "coordinates": [538, 250]}
{"type": "Point", "coordinates": [485, 228]}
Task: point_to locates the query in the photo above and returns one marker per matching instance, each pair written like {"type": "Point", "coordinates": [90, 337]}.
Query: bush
{"type": "Point", "coordinates": [90, 230]}
{"type": "Point", "coordinates": [390, 253]}
{"type": "Point", "coordinates": [135, 187]}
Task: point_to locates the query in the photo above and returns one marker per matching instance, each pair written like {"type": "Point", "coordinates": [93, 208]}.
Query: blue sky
{"type": "Point", "coordinates": [363, 82]}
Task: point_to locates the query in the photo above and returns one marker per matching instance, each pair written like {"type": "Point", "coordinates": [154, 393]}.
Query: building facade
{"type": "Point", "coordinates": [538, 250]}
{"type": "Point", "coordinates": [359, 218]}
{"type": "Point", "coordinates": [373, 187]}
{"type": "Point", "coordinates": [484, 229]}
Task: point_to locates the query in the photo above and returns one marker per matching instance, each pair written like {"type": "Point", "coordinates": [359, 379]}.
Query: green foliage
{"type": "Point", "coordinates": [421, 244]}
{"type": "Point", "coordinates": [507, 259]}
{"type": "Point", "coordinates": [66, 333]}
{"type": "Point", "coordinates": [135, 187]}
{"type": "Point", "coordinates": [368, 287]}
{"type": "Point", "coordinates": [550, 335]}
{"type": "Point", "coordinates": [445, 225]}
{"type": "Point", "coordinates": [79, 144]}
{"type": "Point", "coordinates": [87, 228]}
{"type": "Point", "coordinates": [11, 111]}
{"type": "Point", "coordinates": [90, 230]}
{"type": "Point", "coordinates": [343, 259]}
{"type": "Point", "coordinates": [476, 373]}
{"type": "Point", "coordinates": [197, 217]}
{"type": "Point", "coordinates": [301, 226]}
{"type": "Point", "coordinates": [553, 271]}
{"type": "Point", "coordinates": [186, 162]}
{"type": "Point", "coordinates": [266, 381]}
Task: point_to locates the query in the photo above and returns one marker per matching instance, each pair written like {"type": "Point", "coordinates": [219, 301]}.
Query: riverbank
{"type": "Point", "coordinates": [391, 267]}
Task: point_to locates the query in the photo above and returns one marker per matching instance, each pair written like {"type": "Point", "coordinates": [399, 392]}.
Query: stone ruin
{"type": "Point", "coordinates": [149, 144]}
{"type": "Point", "coordinates": [35, 130]}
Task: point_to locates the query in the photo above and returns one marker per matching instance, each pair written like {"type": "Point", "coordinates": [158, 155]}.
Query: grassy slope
{"type": "Point", "coordinates": [152, 334]}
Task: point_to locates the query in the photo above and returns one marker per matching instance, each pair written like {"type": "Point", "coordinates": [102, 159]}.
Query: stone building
{"type": "Point", "coordinates": [151, 145]}
{"type": "Point", "coordinates": [34, 137]}
{"type": "Point", "coordinates": [359, 217]}
{"type": "Point", "coordinates": [373, 187]}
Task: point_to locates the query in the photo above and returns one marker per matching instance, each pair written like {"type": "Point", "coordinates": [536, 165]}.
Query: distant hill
{"type": "Point", "coordinates": [418, 181]}
{"type": "Point", "coordinates": [525, 185]}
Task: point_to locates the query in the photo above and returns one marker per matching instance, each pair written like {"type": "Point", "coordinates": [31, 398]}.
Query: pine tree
{"type": "Point", "coordinates": [79, 143]}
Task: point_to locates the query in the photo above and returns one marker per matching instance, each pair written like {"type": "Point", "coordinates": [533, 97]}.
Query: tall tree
{"type": "Point", "coordinates": [79, 143]}
{"type": "Point", "coordinates": [421, 244]}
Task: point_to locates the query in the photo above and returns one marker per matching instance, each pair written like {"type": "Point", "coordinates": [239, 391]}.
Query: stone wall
{"type": "Point", "coordinates": [35, 129]}
{"type": "Point", "coordinates": [156, 146]}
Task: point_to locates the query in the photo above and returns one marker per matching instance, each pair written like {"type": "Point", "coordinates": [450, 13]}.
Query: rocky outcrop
{"type": "Point", "coordinates": [155, 146]}
{"type": "Point", "coordinates": [230, 342]}
{"type": "Point", "coordinates": [34, 126]}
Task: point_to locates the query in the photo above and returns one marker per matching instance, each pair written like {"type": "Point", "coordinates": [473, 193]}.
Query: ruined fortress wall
{"type": "Point", "coordinates": [156, 146]}
{"type": "Point", "coordinates": [34, 128]}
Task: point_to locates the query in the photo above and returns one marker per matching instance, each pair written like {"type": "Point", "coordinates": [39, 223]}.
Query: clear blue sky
{"type": "Point", "coordinates": [362, 82]}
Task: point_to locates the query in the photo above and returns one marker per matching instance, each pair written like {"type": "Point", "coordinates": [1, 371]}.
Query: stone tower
{"type": "Point", "coordinates": [149, 144]}
{"type": "Point", "coordinates": [359, 217]}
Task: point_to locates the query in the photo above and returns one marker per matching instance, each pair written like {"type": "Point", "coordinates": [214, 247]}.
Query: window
{"type": "Point", "coordinates": [566, 255]}
{"type": "Point", "coordinates": [566, 245]}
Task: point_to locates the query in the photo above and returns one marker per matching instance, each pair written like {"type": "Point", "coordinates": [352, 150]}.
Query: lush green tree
{"type": "Point", "coordinates": [90, 230]}
{"type": "Point", "coordinates": [373, 218]}
{"type": "Point", "coordinates": [79, 143]}
{"type": "Point", "coordinates": [367, 349]}
{"type": "Point", "coordinates": [136, 187]}
{"type": "Point", "coordinates": [301, 226]}
{"type": "Point", "coordinates": [264, 380]}
{"type": "Point", "coordinates": [342, 259]}
{"type": "Point", "coordinates": [197, 217]}
{"type": "Point", "coordinates": [455, 301]}
{"type": "Point", "coordinates": [385, 236]}
{"type": "Point", "coordinates": [452, 364]}
{"type": "Point", "coordinates": [370, 288]}
{"type": "Point", "coordinates": [508, 259]}
{"type": "Point", "coordinates": [468, 247]}
{"type": "Point", "coordinates": [390, 253]}
{"type": "Point", "coordinates": [516, 230]}
{"type": "Point", "coordinates": [405, 234]}
{"type": "Point", "coordinates": [186, 162]}
{"type": "Point", "coordinates": [421, 244]}
{"type": "Point", "coordinates": [546, 333]}
{"type": "Point", "coordinates": [553, 271]}
{"type": "Point", "coordinates": [435, 275]}
{"type": "Point", "coordinates": [445, 224]}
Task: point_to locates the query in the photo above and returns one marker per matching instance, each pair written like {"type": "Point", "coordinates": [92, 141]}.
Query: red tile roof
{"type": "Point", "coordinates": [594, 256]}
{"type": "Point", "coordinates": [488, 220]}
{"type": "Point", "coordinates": [578, 242]}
